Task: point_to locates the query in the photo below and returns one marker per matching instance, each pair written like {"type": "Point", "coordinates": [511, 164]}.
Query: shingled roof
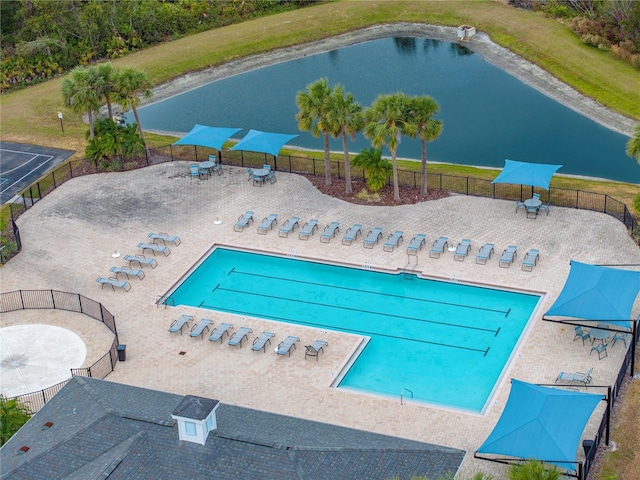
{"type": "Point", "coordinates": [106, 430]}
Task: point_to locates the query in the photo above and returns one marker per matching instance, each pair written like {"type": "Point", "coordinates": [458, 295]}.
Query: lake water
{"type": "Point", "coordinates": [488, 115]}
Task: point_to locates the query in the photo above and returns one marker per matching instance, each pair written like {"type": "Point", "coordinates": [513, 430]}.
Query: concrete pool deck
{"type": "Point", "coordinates": [70, 236]}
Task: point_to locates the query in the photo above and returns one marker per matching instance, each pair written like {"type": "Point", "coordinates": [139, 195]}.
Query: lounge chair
{"type": "Point", "coordinates": [438, 247]}
{"type": "Point", "coordinates": [575, 377]}
{"type": "Point", "coordinates": [284, 348]}
{"type": "Point", "coordinates": [165, 237]}
{"type": "Point", "coordinates": [580, 333]}
{"type": "Point", "coordinates": [267, 223]}
{"type": "Point", "coordinates": [113, 282]}
{"type": "Point", "coordinates": [198, 329]}
{"type": "Point", "coordinates": [260, 343]}
{"type": "Point", "coordinates": [128, 271]}
{"type": "Point", "coordinates": [601, 348]}
{"type": "Point", "coordinates": [463, 250]}
{"type": "Point", "coordinates": [243, 221]}
{"type": "Point", "coordinates": [180, 323]}
{"type": "Point", "coordinates": [485, 253]}
{"type": "Point", "coordinates": [507, 256]}
{"type": "Point", "coordinates": [531, 259]}
{"type": "Point", "coordinates": [307, 229]}
{"type": "Point", "coordinates": [219, 332]}
{"type": "Point", "coordinates": [154, 248]}
{"type": "Point", "coordinates": [141, 260]}
{"type": "Point", "coordinates": [288, 227]}
{"type": "Point", "coordinates": [520, 205]}
{"type": "Point", "coordinates": [416, 244]}
{"type": "Point", "coordinates": [393, 241]}
{"type": "Point", "coordinates": [240, 335]}
{"type": "Point", "coordinates": [329, 232]}
{"type": "Point", "coordinates": [315, 349]}
{"type": "Point", "coordinates": [373, 237]}
{"type": "Point", "coordinates": [352, 234]}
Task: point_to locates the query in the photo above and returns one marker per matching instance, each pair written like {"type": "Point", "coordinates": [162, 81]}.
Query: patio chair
{"type": "Point", "coordinates": [196, 171]}
{"type": "Point", "coordinates": [462, 251]}
{"type": "Point", "coordinates": [485, 253]}
{"type": "Point", "coordinates": [114, 283]}
{"type": "Point", "coordinates": [258, 180]}
{"type": "Point", "coordinates": [545, 207]}
{"type": "Point", "coordinates": [531, 259]}
{"type": "Point", "coordinates": [575, 377]}
{"type": "Point", "coordinates": [619, 337]}
{"type": "Point", "coordinates": [520, 205]}
{"type": "Point", "coordinates": [249, 174]}
{"type": "Point", "coordinates": [580, 333]}
{"type": "Point", "coordinates": [315, 349]}
{"type": "Point", "coordinates": [141, 260]}
{"type": "Point", "coordinates": [288, 227]}
{"type": "Point", "coordinates": [243, 221]}
{"type": "Point", "coordinates": [154, 248]}
{"type": "Point", "coordinates": [198, 329]}
{"type": "Point", "coordinates": [239, 336]}
{"type": "Point", "coordinates": [218, 333]}
{"type": "Point", "coordinates": [373, 237]}
{"type": "Point", "coordinates": [352, 234]}
{"type": "Point", "coordinates": [217, 168]}
{"type": "Point", "coordinates": [416, 244]}
{"type": "Point", "coordinates": [128, 271]}
{"type": "Point", "coordinates": [266, 166]}
{"type": "Point", "coordinates": [267, 223]}
{"type": "Point", "coordinates": [532, 212]}
{"type": "Point", "coordinates": [601, 348]}
{"type": "Point", "coordinates": [165, 237]}
{"type": "Point", "coordinates": [393, 241]}
{"type": "Point", "coordinates": [508, 255]}
{"type": "Point", "coordinates": [284, 348]}
{"type": "Point", "coordinates": [260, 343]}
{"type": "Point", "coordinates": [329, 232]}
{"type": "Point", "coordinates": [271, 176]}
{"type": "Point", "coordinates": [307, 229]}
{"type": "Point", "coordinates": [438, 247]}
{"type": "Point", "coordinates": [180, 323]}
{"type": "Point", "coordinates": [536, 195]}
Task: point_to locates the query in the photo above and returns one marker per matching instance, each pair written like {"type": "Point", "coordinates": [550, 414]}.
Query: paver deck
{"type": "Point", "coordinates": [70, 236]}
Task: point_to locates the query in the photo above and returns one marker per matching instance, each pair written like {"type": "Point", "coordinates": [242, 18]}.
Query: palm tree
{"type": "Point", "coordinates": [633, 145]}
{"type": "Point", "coordinates": [130, 83]}
{"type": "Point", "coordinates": [80, 93]}
{"type": "Point", "coordinates": [421, 112]}
{"type": "Point", "coordinates": [106, 74]}
{"type": "Point", "coordinates": [344, 118]}
{"type": "Point", "coordinates": [312, 106]}
{"type": "Point", "coordinates": [384, 123]}
{"type": "Point", "coordinates": [377, 168]}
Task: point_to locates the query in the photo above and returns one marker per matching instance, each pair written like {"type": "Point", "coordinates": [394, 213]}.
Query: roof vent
{"type": "Point", "coordinates": [47, 425]}
{"type": "Point", "coordinates": [23, 449]}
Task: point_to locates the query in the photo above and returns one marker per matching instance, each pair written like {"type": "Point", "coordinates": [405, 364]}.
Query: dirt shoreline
{"type": "Point", "coordinates": [481, 44]}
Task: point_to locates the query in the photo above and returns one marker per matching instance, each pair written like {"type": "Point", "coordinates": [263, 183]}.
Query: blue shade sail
{"type": "Point", "coordinates": [203, 136]}
{"type": "Point", "coordinates": [524, 173]}
{"type": "Point", "coordinates": [263, 142]}
{"type": "Point", "coordinates": [598, 293]}
{"type": "Point", "coordinates": [541, 423]}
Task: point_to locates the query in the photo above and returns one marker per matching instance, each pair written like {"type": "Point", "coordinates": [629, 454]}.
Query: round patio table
{"type": "Point", "coordinates": [533, 202]}
{"type": "Point", "coordinates": [599, 334]}
{"type": "Point", "coordinates": [207, 165]}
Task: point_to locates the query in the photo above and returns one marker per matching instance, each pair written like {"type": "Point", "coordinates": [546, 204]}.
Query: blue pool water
{"type": "Point", "coordinates": [447, 343]}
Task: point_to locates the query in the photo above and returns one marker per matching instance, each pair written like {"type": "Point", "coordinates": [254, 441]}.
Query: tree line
{"type": "Point", "coordinates": [44, 38]}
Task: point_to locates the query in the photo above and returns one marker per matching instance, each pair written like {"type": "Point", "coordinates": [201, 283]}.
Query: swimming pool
{"type": "Point", "coordinates": [446, 343]}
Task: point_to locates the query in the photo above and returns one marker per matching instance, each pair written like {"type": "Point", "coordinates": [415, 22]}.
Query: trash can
{"type": "Point", "coordinates": [122, 352]}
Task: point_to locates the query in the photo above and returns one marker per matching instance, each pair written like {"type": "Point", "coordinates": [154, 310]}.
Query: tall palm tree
{"type": "Point", "coordinates": [344, 118]}
{"type": "Point", "coordinates": [80, 93]}
{"type": "Point", "coordinates": [421, 112]}
{"type": "Point", "coordinates": [384, 123]}
{"type": "Point", "coordinates": [106, 74]}
{"type": "Point", "coordinates": [130, 83]}
{"type": "Point", "coordinates": [633, 145]}
{"type": "Point", "coordinates": [312, 116]}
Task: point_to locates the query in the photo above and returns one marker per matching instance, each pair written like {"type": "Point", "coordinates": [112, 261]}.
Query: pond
{"type": "Point", "coordinates": [488, 115]}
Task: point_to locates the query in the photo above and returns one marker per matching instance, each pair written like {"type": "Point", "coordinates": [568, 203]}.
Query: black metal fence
{"type": "Point", "coordinates": [479, 187]}
{"type": "Point", "coordinates": [73, 302]}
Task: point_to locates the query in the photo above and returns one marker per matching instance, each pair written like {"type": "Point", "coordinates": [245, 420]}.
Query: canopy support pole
{"type": "Point", "coordinates": [634, 339]}
{"type": "Point", "coordinates": [608, 416]}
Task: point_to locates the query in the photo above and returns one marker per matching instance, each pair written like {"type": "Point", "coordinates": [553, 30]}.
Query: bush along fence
{"type": "Point", "coordinates": [478, 187]}
{"type": "Point", "coordinates": [73, 302]}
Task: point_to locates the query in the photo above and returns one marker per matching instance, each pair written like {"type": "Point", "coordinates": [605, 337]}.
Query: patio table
{"type": "Point", "coordinates": [207, 165]}
{"type": "Point", "coordinates": [599, 334]}
{"type": "Point", "coordinates": [533, 202]}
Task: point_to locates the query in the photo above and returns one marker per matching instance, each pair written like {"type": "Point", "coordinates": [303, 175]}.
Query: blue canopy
{"type": "Point", "coordinates": [598, 293]}
{"type": "Point", "coordinates": [203, 136]}
{"type": "Point", "coordinates": [263, 142]}
{"type": "Point", "coordinates": [523, 173]}
{"type": "Point", "coordinates": [541, 423]}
